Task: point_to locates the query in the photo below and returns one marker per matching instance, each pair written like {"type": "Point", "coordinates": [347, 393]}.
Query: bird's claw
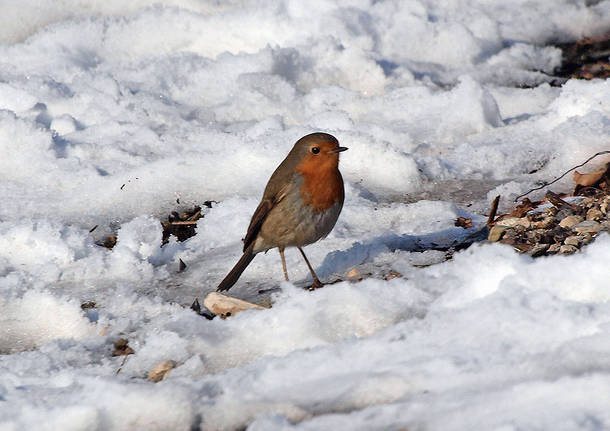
{"type": "Point", "coordinates": [316, 285]}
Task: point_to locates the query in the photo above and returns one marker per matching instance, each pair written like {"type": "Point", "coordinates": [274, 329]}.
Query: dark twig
{"type": "Point", "coordinates": [563, 175]}
{"type": "Point", "coordinates": [196, 307]}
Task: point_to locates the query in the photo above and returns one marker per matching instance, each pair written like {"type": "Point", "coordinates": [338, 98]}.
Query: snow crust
{"type": "Point", "coordinates": [111, 112]}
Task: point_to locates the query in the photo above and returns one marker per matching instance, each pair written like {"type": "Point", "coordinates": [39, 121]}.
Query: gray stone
{"type": "Point", "coordinates": [563, 213]}
{"type": "Point", "coordinates": [587, 226]}
{"type": "Point", "coordinates": [554, 248]}
{"type": "Point", "coordinates": [586, 238]}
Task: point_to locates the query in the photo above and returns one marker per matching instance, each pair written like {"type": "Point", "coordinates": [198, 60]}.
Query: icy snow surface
{"type": "Point", "coordinates": [111, 111]}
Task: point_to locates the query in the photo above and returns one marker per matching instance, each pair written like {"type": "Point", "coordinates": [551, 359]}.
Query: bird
{"type": "Point", "coordinates": [300, 205]}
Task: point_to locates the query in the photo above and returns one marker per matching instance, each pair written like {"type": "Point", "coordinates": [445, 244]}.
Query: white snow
{"type": "Point", "coordinates": [111, 112]}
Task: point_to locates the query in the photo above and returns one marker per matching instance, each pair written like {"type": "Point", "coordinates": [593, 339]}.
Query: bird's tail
{"type": "Point", "coordinates": [237, 270]}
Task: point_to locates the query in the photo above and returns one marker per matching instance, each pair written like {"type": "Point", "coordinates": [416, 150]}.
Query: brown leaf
{"type": "Point", "coordinates": [161, 371]}
{"type": "Point", "coordinates": [464, 222]}
{"type": "Point", "coordinates": [109, 242]}
{"type": "Point", "coordinates": [585, 58]}
{"type": "Point", "coordinates": [183, 225]}
{"type": "Point", "coordinates": [121, 348]}
{"type": "Point", "coordinates": [87, 304]}
{"type": "Point", "coordinates": [591, 179]}
{"type": "Point", "coordinates": [523, 208]}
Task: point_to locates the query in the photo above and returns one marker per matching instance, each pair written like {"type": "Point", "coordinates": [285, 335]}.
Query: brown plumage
{"type": "Point", "coordinates": [300, 205]}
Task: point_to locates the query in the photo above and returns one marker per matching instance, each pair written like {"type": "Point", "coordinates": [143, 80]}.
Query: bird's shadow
{"type": "Point", "coordinates": [361, 252]}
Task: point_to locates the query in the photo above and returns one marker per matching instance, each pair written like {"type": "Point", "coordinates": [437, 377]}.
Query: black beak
{"type": "Point", "coordinates": [338, 150]}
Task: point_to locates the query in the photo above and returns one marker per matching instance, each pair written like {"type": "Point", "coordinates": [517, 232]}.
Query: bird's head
{"type": "Point", "coordinates": [317, 151]}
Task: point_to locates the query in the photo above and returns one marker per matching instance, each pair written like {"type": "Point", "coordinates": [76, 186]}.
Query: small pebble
{"type": "Point", "coordinates": [594, 214]}
{"type": "Point", "coordinates": [588, 202]}
{"type": "Point", "coordinates": [572, 240]}
{"type": "Point", "coordinates": [391, 275]}
{"type": "Point", "coordinates": [538, 250]}
{"type": "Point", "coordinates": [567, 249]}
{"type": "Point", "coordinates": [604, 205]}
{"type": "Point", "coordinates": [553, 248]}
{"type": "Point", "coordinates": [354, 274]}
{"type": "Point", "coordinates": [570, 221]}
{"type": "Point", "coordinates": [514, 233]}
{"type": "Point", "coordinates": [545, 223]}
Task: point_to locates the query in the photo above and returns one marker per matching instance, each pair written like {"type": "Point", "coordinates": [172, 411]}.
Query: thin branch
{"type": "Point", "coordinates": [493, 211]}
{"type": "Point", "coordinates": [563, 175]}
{"type": "Point", "coordinates": [182, 223]}
{"type": "Point", "coordinates": [121, 367]}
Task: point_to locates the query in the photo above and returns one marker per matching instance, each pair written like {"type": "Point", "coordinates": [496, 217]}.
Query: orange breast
{"type": "Point", "coordinates": [322, 182]}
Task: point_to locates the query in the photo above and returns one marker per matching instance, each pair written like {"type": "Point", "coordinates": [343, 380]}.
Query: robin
{"type": "Point", "coordinates": [300, 205]}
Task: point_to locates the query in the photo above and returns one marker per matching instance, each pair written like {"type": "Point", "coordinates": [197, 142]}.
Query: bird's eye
{"type": "Point", "coordinates": [315, 150]}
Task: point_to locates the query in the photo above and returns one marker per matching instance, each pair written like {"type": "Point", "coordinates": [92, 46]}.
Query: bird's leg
{"type": "Point", "coordinates": [316, 281]}
{"type": "Point", "coordinates": [281, 250]}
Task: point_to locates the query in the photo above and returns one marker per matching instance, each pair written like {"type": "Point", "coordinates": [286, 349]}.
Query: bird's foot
{"type": "Point", "coordinates": [316, 285]}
